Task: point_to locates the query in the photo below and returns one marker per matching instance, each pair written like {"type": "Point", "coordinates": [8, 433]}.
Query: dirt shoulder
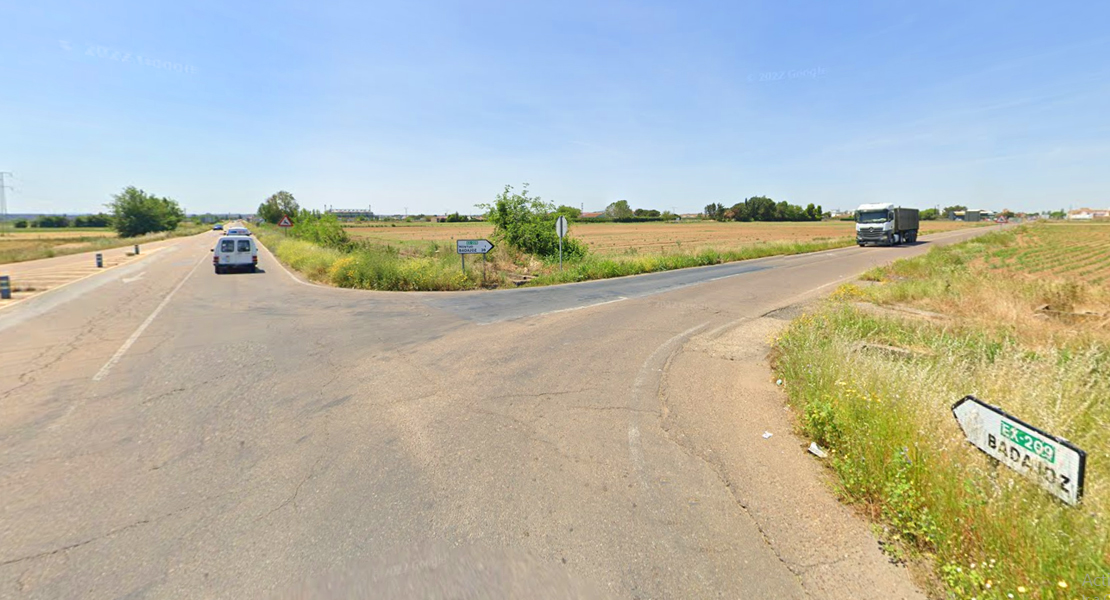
{"type": "Point", "coordinates": [719, 400]}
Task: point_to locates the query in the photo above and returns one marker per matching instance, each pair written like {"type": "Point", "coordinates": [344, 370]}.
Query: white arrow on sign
{"type": "Point", "coordinates": [561, 226]}
{"type": "Point", "coordinates": [1053, 462]}
{"type": "Point", "coordinates": [473, 246]}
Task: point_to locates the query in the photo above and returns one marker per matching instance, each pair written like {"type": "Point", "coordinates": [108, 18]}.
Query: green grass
{"type": "Point", "coordinates": [371, 266]}
{"type": "Point", "coordinates": [14, 248]}
{"type": "Point", "coordinates": [604, 267]}
{"type": "Point", "coordinates": [431, 266]}
{"type": "Point", "coordinates": [896, 448]}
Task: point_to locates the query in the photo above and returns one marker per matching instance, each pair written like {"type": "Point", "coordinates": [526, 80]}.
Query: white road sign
{"type": "Point", "coordinates": [1054, 463]}
{"type": "Point", "coordinates": [561, 227]}
{"type": "Point", "coordinates": [473, 246]}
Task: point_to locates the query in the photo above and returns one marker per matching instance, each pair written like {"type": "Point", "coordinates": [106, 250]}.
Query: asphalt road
{"type": "Point", "coordinates": [167, 432]}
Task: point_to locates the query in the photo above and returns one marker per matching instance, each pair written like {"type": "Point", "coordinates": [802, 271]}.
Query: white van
{"type": "Point", "coordinates": [237, 231]}
{"type": "Point", "coordinates": [235, 252]}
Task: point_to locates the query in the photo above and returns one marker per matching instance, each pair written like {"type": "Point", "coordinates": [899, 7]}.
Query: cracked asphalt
{"type": "Point", "coordinates": [264, 437]}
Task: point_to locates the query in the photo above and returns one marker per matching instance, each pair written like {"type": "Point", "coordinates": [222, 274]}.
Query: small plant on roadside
{"type": "Point", "coordinates": [527, 223]}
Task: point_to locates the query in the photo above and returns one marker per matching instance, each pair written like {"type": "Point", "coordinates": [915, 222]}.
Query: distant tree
{"type": "Point", "coordinates": [277, 206]}
{"type": "Point", "coordinates": [53, 221]}
{"type": "Point", "coordinates": [738, 212]}
{"type": "Point", "coordinates": [1006, 214]}
{"type": "Point", "coordinates": [645, 213]}
{"type": "Point", "coordinates": [457, 218]}
{"type": "Point", "coordinates": [812, 213]}
{"type": "Point", "coordinates": [134, 212]}
{"type": "Point", "coordinates": [715, 210]}
{"type": "Point", "coordinates": [97, 220]}
{"type": "Point", "coordinates": [930, 214]}
{"type": "Point", "coordinates": [668, 215]}
{"type": "Point", "coordinates": [569, 212]}
{"type": "Point", "coordinates": [619, 210]}
{"type": "Point", "coordinates": [761, 208]}
{"type": "Point", "coordinates": [21, 223]}
{"type": "Point", "coordinates": [1057, 214]}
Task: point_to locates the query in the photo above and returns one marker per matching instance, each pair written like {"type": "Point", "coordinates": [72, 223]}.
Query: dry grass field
{"type": "Point", "coordinates": [18, 245]}
{"type": "Point", "coordinates": [640, 238]}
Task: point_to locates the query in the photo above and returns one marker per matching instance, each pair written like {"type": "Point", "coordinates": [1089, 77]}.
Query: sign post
{"type": "Point", "coordinates": [5, 287]}
{"type": "Point", "coordinates": [99, 260]}
{"type": "Point", "coordinates": [561, 229]}
{"type": "Point", "coordinates": [285, 224]}
{"type": "Point", "coordinates": [464, 247]}
{"type": "Point", "coordinates": [1052, 462]}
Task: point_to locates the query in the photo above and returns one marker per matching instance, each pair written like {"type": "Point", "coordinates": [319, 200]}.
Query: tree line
{"type": "Point", "coordinates": [132, 212]}
{"type": "Point", "coordinates": [762, 208]}
{"type": "Point", "coordinates": [55, 221]}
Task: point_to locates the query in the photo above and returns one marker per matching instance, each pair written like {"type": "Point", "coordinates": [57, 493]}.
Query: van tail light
{"type": "Point", "coordinates": [215, 260]}
{"type": "Point", "coordinates": [254, 259]}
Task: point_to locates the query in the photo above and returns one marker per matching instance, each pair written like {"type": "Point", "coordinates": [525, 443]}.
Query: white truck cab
{"type": "Point", "coordinates": [886, 224]}
{"type": "Point", "coordinates": [235, 252]}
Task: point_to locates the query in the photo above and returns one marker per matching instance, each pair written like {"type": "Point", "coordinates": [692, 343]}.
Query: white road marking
{"type": "Point", "coordinates": [103, 372]}
{"type": "Point", "coordinates": [635, 450]}
{"type": "Point", "coordinates": [133, 279]}
{"type": "Point", "coordinates": [11, 303]}
{"type": "Point", "coordinates": [561, 310]}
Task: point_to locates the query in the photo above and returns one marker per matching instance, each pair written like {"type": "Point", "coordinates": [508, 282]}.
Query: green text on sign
{"type": "Point", "coordinates": [1028, 441]}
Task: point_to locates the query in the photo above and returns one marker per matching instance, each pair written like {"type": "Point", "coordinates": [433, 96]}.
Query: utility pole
{"type": "Point", "coordinates": [3, 204]}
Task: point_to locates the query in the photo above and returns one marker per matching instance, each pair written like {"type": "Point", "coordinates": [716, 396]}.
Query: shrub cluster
{"type": "Point", "coordinates": [527, 223]}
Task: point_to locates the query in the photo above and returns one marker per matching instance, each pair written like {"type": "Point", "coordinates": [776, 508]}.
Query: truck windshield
{"type": "Point", "coordinates": [872, 216]}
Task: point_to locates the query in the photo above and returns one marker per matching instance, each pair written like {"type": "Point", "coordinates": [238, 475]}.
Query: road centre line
{"type": "Point", "coordinates": [562, 310]}
{"type": "Point", "coordinates": [103, 372]}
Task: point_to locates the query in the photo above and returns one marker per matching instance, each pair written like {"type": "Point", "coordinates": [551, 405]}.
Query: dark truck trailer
{"type": "Point", "coordinates": [886, 224]}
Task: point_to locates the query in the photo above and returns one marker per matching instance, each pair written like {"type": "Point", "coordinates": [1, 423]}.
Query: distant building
{"type": "Point", "coordinates": [1086, 214]}
{"type": "Point", "coordinates": [592, 215]}
{"type": "Point", "coordinates": [351, 214]}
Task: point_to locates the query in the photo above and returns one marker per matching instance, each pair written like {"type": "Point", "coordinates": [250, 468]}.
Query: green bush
{"type": "Point", "coordinates": [527, 224]}
{"type": "Point", "coordinates": [324, 230]}
{"type": "Point", "coordinates": [134, 212]}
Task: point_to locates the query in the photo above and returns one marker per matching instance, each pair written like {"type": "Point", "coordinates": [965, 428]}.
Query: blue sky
{"type": "Point", "coordinates": [434, 106]}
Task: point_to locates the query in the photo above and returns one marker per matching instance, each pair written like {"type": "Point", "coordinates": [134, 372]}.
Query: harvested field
{"type": "Point", "coordinates": [640, 238]}
{"type": "Point", "coordinates": [1077, 251]}
{"type": "Point", "coordinates": [31, 244]}
{"type": "Point", "coordinates": [57, 234]}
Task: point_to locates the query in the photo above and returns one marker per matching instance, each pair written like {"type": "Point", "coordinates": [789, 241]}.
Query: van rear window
{"type": "Point", "coordinates": [244, 246]}
{"type": "Point", "coordinates": [227, 245]}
